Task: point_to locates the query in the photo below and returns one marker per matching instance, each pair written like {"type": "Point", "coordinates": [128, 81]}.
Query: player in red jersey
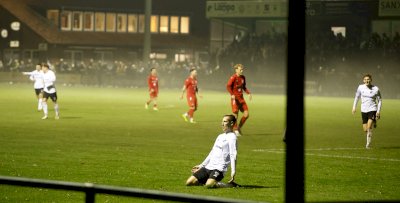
{"type": "Point", "coordinates": [152, 81]}
{"type": "Point", "coordinates": [236, 85]}
{"type": "Point", "coordinates": [191, 89]}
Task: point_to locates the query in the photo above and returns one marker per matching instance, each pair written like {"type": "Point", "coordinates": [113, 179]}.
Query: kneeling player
{"type": "Point", "coordinates": [223, 153]}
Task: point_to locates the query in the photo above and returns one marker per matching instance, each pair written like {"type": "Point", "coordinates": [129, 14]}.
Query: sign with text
{"type": "Point", "coordinates": [242, 9]}
{"type": "Point", "coordinates": [389, 7]}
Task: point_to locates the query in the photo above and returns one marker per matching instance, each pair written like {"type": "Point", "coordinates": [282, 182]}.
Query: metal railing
{"type": "Point", "coordinates": [91, 190]}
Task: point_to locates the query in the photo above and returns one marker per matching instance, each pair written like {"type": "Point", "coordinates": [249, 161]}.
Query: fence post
{"type": "Point", "coordinates": [90, 193]}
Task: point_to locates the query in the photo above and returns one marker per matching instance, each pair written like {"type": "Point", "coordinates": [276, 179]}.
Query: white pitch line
{"type": "Point", "coordinates": [280, 151]}
{"type": "Point", "coordinates": [352, 157]}
{"type": "Point", "coordinates": [318, 149]}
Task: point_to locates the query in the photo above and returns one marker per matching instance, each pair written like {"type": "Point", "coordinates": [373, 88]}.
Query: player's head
{"type": "Point", "coordinates": [367, 79]}
{"type": "Point", "coordinates": [238, 69]}
{"type": "Point", "coordinates": [153, 71]}
{"type": "Point", "coordinates": [45, 67]}
{"type": "Point", "coordinates": [193, 72]}
{"type": "Point", "coordinates": [228, 121]}
{"type": "Point", "coordinates": [38, 66]}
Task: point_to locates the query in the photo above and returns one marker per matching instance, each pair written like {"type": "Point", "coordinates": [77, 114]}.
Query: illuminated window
{"type": "Point", "coordinates": [88, 19]}
{"type": "Point", "coordinates": [66, 20]}
{"type": "Point", "coordinates": [52, 15]}
{"type": "Point", "coordinates": [4, 33]}
{"type": "Point", "coordinates": [154, 23]}
{"type": "Point", "coordinates": [164, 24]}
{"type": "Point", "coordinates": [181, 57]}
{"type": "Point", "coordinates": [132, 23]}
{"type": "Point", "coordinates": [337, 30]}
{"type": "Point", "coordinates": [14, 43]}
{"type": "Point", "coordinates": [121, 22]}
{"type": "Point", "coordinates": [141, 23]}
{"type": "Point", "coordinates": [158, 56]}
{"type": "Point", "coordinates": [99, 22]}
{"type": "Point", "coordinates": [184, 25]}
{"type": "Point", "coordinates": [16, 26]}
{"type": "Point", "coordinates": [110, 22]}
{"type": "Point", "coordinates": [77, 21]}
{"type": "Point", "coordinates": [174, 24]}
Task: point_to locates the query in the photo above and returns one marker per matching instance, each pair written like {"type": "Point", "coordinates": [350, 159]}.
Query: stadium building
{"type": "Point", "coordinates": [102, 30]}
{"type": "Point", "coordinates": [212, 35]}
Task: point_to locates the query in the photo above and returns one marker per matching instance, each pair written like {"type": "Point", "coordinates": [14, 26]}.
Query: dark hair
{"type": "Point", "coordinates": [232, 118]}
{"type": "Point", "coordinates": [367, 75]}
{"type": "Point", "coordinates": [151, 69]}
{"type": "Point", "coordinates": [191, 70]}
{"type": "Point", "coordinates": [46, 65]}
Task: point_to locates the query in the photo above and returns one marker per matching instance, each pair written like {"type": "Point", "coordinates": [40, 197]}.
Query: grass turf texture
{"type": "Point", "coordinates": [105, 136]}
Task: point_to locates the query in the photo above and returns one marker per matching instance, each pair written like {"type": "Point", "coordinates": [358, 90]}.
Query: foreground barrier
{"type": "Point", "coordinates": [91, 190]}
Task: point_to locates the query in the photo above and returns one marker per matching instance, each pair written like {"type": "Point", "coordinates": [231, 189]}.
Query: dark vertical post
{"type": "Point", "coordinates": [147, 33]}
{"type": "Point", "coordinates": [89, 196]}
{"type": "Point", "coordinates": [294, 136]}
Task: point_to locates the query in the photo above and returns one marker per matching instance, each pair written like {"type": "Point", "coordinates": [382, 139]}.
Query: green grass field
{"type": "Point", "coordinates": [105, 136]}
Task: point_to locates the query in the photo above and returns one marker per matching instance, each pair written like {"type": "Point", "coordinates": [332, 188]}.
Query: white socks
{"type": "Point", "coordinates": [369, 137]}
{"type": "Point", "coordinates": [45, 111]}
{"type": "Point", "coordinates": [56, 109]}
{"type": "Point", "coordinates": [40, 104]}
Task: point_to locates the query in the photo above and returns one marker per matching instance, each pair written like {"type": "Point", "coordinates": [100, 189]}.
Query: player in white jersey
{"type": "Point", "coordinates": [37, 77]}
{"type": "Point", "coordinates": [223, 154]}
{"type": "Point", "coordinates": [49, 90]}
{"type": "Point", "coordinates": [371, 103]}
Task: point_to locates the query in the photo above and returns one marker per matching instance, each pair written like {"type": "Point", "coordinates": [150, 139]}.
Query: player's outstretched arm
{"type": "Point", "coordinates": [26, 73]}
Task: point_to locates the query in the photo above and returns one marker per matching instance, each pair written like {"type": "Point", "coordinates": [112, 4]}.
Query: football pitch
{"type": "Point", "coordinates": [105, 136]}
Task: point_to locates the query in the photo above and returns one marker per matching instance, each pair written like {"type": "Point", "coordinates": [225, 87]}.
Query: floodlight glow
{"type": "Point", "coordinates": [16, 26]}
{"type": "Point", "coordinates": [4, 33]}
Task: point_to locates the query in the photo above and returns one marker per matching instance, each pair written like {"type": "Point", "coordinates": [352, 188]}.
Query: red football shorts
{"type": "Point", "coordinates": [153, 94]}
{"type": "Point", "coordinates": [192, 101]}
{"type": "Point", "coordinates": [239, 104]}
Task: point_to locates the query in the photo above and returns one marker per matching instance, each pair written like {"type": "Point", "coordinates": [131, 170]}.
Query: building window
{"type": "Point", "coordinates": [110, 22]}
{"type": "Point", "coordinates": [158, 56]}
{"type": "Point", "coordinates": [181, 57]}
{"type": "Point", "coordinates": [73, 57]}
{"type": "Point", "coordinates": [185, 25]}
{"type": "Point", "coordinates": [339, 31]}
{"type": "Point", "coordinates": [88, 19]}
{"type": "Point", "coordinates": [66, 20]}
{"type": "Point", "coordinates": [132, 23]}
{"type": "Point", "coordinates": [14, 43]}
{"type": "Point", "coordinates": [121, 22]}
{"type": "Point", "coordinates": [154, 24]}
{"type": "Point", "coordinates": [117, 22]}
{"type": "Point", "coordinates": [164, 24]}
{"type": "Point", "coordinates": [141, 23]}
{"type": "Point", "coordinates": [31, 55]}
{"type": "Point", "coordinates": [174, 24]}
{"type": "Point", "coordinates": [16, 26]}
{"type": "Point", "coordinates": [77, 21]}
{"type": "Point", "coordinates": [52, 15]}
{"type": "Point", "coordinates": [100, 22]}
